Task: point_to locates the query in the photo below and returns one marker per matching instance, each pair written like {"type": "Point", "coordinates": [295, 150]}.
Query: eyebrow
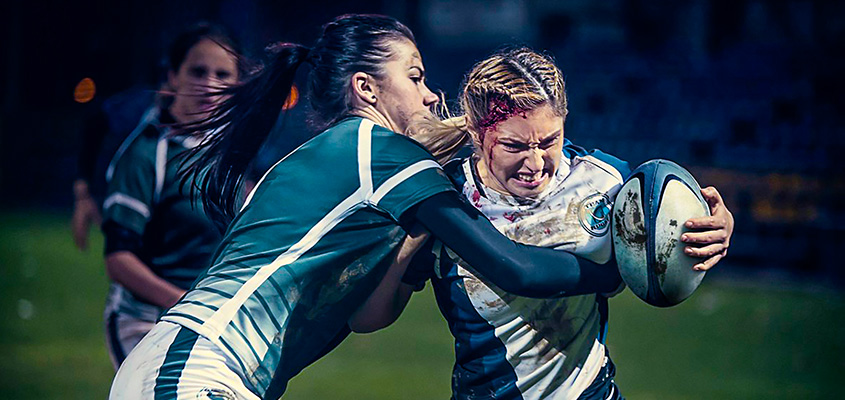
{"type": "Point", "coordinates": [543, 139]}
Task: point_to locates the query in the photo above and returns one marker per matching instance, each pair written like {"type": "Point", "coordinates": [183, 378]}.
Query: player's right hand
{"type": "Point", "coordinates": [85, 213]}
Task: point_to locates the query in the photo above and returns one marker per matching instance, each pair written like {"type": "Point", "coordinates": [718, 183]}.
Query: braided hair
{"type": "Point", "coordinates": [507, 83]}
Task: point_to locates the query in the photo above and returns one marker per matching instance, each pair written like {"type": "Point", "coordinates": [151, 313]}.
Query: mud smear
{"type": "Point", "coordinates": [662, 258]}
{"type": "Point", "coordinates": [629, 223]}
{"type": "Point", "coordinates": [475, 288]}
{"type": "Point", "coordinates": [548, 228]}
{"type": "Point", "coordinates": [665, 250]}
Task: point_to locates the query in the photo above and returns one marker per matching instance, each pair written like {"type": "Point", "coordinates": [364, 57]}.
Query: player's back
{"type": "Point", "coordinates": [311, 243]}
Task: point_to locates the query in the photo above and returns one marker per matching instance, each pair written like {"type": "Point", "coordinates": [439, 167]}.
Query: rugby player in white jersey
{"type": "Point", "coordinates": [537, 188]}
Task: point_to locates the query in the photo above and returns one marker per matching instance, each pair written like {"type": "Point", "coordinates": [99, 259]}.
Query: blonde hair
{"type": "Point", "coordinates": [507, 83]}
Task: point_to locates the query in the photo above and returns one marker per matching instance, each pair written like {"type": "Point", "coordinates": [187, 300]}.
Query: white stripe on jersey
{"type": "Point", "coordinates": [127, 201]}
{"type": "Point", "coordinates": [365, 144]}
{"type": "Point", "coordinates": [395, 180]}
{"type": "Point", "coordinates": [149, 117]}
{"type": "Point", "coordinates": [216, 325]}
{"type": "Point", "coordinates": [161, 166]}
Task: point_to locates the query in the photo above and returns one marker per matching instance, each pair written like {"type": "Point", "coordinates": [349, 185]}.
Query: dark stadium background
{"type": "Point", "coordinates": [749, 95]}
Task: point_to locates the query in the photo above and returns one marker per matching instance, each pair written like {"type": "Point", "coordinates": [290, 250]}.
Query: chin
{"type": "Point", "coordinates": [527, 193]}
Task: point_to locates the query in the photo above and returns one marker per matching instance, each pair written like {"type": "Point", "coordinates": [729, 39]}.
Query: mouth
{"type": "Point", "coordinates": [205, 105]}
{"type": "Point", "coordinates": [530, 180]}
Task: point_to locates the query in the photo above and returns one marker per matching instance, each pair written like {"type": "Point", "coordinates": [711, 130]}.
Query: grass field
{"type": "Point", "coordinates": [727, 342]}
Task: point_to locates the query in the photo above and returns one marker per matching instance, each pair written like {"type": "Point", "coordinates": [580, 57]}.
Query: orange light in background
{"type": "Point", "coordinates": [292, 99]}
{"type": "Point", "coordinates": [84, 90]}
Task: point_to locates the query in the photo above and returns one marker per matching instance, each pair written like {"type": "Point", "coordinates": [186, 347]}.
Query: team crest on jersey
{"type": "Point", "coordinates": [594, 214]}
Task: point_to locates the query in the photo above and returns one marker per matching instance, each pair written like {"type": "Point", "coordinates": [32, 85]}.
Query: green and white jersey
{"type": "Point", "coordinates": [311, 244]}
{"type": "Point", "coordinates": [145, 196]}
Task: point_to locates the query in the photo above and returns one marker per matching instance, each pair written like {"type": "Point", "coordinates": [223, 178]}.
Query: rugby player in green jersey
{"type": "Point", "coordinates": [157, 241]}
{"type": "Point", "coordinates": [318, 232]}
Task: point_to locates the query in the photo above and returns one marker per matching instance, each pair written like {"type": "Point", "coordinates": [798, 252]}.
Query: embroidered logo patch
{"type": "Point", "coordinates": [594, 214]}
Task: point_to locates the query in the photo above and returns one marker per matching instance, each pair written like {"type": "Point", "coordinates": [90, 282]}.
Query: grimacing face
{"type": "Point", "coordinates": [207, 67]}
{"type": "Point", "coordinates": [519, 155]}
{"type": "Point", "coordinates": [402, 91]}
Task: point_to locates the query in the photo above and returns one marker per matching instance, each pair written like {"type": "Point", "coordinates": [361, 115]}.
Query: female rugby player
{"type": "Point", "coordinates": [318, 232]}
{"type": "Point", "coordinates": [537, 188]}
{"type": "Point", "coordinates": [157, 241]}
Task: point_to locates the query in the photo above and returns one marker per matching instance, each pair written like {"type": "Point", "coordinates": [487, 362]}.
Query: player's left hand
{"type": "Point", "coordinates": [713, 236]}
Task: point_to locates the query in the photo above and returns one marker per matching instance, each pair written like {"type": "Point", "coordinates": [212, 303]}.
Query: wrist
{"type": "Point", "coordinates": [80, 190]}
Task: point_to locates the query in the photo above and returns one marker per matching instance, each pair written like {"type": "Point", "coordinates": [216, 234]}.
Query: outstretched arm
{"type": "Point", "coordinates": [520, 269]}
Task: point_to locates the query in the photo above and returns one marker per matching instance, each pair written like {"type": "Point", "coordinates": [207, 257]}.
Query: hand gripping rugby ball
{"type": "Point", "coordinates": [647, 223]}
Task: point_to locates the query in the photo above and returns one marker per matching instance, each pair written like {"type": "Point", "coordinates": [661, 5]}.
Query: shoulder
{"type": "Point", "coordinates": [454, 169]}
{"type": "Point", "coordinates": [142, 148]}
{"type": "Point", "coordinates": [571, 150]}
{"type": "Point", "coordinates": [394, 143]}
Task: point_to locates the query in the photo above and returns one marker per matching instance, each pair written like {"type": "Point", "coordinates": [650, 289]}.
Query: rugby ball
{"type": "Point", "coordinates": [647, 222]}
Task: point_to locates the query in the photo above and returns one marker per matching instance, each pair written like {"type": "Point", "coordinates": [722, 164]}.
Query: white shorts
{"type": "Point", "coordinates": [122, 335]}
{"type": "Point", "coordinates": [173, 362]}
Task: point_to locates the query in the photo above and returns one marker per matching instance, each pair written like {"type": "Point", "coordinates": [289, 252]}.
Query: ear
{"type": "Point", "coordinates": [364, 89]}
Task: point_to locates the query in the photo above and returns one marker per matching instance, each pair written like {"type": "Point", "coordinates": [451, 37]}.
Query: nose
{"type": "Point", "coordinates": [429, 98]}
{"type": "Point", "coordinates": [534, 160]}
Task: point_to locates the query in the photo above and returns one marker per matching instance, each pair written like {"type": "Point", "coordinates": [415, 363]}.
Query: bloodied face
{"type": "Point", "coordinates": [519, 155]}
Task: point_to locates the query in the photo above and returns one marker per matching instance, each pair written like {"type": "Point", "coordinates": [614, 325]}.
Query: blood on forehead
{"type": "Point", "coordinates": [499, 109]}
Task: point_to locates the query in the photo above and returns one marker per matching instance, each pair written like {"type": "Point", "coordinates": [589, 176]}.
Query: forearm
{"type": "Point", "coordinates": [391, 296]}
{"type": "Point", "coordinates": [519, 269]}
{"type": "Point", "coordinates": [384, 306]}
{"type": "Point", "coordinates": [129, 271]}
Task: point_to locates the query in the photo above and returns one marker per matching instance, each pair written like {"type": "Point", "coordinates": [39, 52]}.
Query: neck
{"type": "Point", "coordinates": [370, 112]}
{"type": "Point", "coordinates": [181, 117]}
{"type": "Point", "coordinates": [177, 112]}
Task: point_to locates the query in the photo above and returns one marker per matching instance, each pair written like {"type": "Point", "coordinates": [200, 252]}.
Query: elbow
{"type": "Point", "coordinates": [364, 327]}
{"type": "Point", "coordinates": [115, 266]}
{"type": "Point", "coordinates": [368, 323]}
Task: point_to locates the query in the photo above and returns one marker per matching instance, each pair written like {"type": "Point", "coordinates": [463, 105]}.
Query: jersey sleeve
{"type": "Point", "coordinates": [571, 150]}
{"type": "Point", "coordinates": [403, 173]}
{"type": "Point", "coordinates": [620, 165]}
{"type": "Point", "coordinates": [129, 198]}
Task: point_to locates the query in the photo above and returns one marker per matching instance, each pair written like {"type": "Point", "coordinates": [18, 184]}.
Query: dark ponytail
{"type": "Point", "coordinates": [239, 125]}
{"type": "Point", "coordinates": [348, 44]}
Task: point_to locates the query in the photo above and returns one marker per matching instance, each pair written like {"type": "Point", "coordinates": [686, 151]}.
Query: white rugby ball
{"type": "Point", "coordinates": [648, 220]}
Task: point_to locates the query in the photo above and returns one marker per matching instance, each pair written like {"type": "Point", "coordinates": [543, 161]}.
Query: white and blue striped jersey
{"type": "Point", "coordinates": [512, 347]}
{"type": "Point", "coordinates": [311, 244]}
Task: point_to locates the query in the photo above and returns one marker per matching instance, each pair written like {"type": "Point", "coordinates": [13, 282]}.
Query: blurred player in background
{"type": "Point", "coordinates": [111, 120]}
{"type": "Point", "coordinates": [320, 229]}
{"type": "Point", "coordinates": [537, 188]}
{"type": "Point", "coordinates": [157, 240]}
